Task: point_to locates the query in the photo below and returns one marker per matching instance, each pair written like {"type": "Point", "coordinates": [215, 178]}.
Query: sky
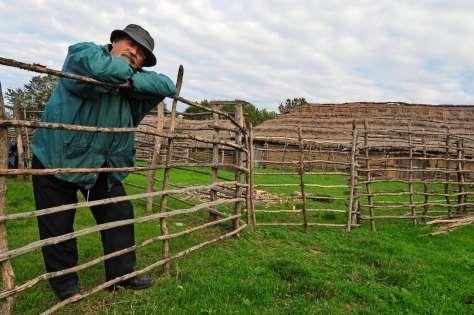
{"type": "Point", "coordinates": [267, 51]}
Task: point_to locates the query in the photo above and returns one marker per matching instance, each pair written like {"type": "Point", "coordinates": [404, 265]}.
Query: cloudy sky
{"type": "Point", "coordinates": [266, 51]}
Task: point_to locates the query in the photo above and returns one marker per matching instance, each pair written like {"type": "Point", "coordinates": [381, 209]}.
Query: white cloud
{"type": "Point", "coordinates": [267, 51]}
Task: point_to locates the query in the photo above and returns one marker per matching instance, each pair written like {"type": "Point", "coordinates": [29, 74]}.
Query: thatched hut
{"type": "Point", "coordinates": [328, 129]}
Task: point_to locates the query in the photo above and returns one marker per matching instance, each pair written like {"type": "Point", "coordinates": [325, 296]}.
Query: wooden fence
{"type": "Point", "coordinates": [233, 193]}
{"type": "Point", "coordinates": [361, 176]}
{"type": "Point", "coordinates": [390, 174]}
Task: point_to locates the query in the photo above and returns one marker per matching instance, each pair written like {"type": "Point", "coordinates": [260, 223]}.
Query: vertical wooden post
{"type": "Point", "coordinates": [447, 176]}
{"type": "Point", "coordinates": [460, 172]}
{"type": "Point", "coordinates": [251, 220]}
{"type": "Point", "coordinates": [410, 175]}
{"type": "Point", "coordinates": [265, 155]}
{"type": "Point", "coordinates": [160, 116]}
{"type": "Point", "coordinates": [356, 206]}
{"type": "Point", "coordinates": [352, 181]}
{"type": "Point", "coordinates": [167, 171]}
{"type": "Point", "coordinates": [301, 171]}
{"type": "Point", "coordinates": [27, 138]}
{"type": "Point", "coordinates": [19, 139]}
{"type": "Point", "coordinates": [368, 177]}
{"type": "Point", "coordinates": [8, 277]}
{"type": "Point", "coordinates": [424, 177]}
{"type": "Point", "coordinates": [215, 158]}
{"type": "Point", "coordinates": [239, 117]}
{"type": "Point", "coordinates": [283, 158]}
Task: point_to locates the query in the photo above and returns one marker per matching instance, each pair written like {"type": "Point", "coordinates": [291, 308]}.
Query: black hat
{"type": "Point", "coordinates": [142, 37]}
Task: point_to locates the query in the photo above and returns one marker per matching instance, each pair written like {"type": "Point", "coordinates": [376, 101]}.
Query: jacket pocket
{"type": "Point", "coordinates": [73, 151]}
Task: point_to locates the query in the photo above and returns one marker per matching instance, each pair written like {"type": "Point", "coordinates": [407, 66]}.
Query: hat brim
{"type": "Point", "coordinates": [150, 59]}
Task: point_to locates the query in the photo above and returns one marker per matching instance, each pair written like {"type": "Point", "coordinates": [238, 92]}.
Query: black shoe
{"type": "Point", "coordinates": [67, 293]}
{"type": "Point", "coordinates": [135, 283]}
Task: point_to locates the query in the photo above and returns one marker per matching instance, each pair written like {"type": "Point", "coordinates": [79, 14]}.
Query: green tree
{"type": "Point", "coordinates": [290, 104]}
{"type": "Point", "coordinates": [251, 112]}
{"type": "Point", "coordinates": [33, 96]}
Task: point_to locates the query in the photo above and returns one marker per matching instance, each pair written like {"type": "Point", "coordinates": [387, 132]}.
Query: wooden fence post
{"type": "Point", "coordinates": [460, 172]}
{"type": "Point", "coordinates": [19, 139]}
{"type": "Point", "coordinates": [410, 175]}
{"type": "Point", "coordinates": [424, 177]}
{"type": "Point", "coordinates": [353, 180]}
{"type": "Point", "coordinates": [239, 117]}
{"type": "Point", "coordinates": [167, 171]}
{"type": "Point", "coordinates": [8, 277]}
{"type": "Point", "coordinates": [160, 115]}
{"type": "Point", "coordinates": [215, 158]}
{"type": "Point", "coordinates": [251, 220]}
{"type": "Point", "coordinates": [447, 176]}
{"type": "Point", "coordinates": [301, 171]}
{"type": "Point", "coordinates": [368, 177]}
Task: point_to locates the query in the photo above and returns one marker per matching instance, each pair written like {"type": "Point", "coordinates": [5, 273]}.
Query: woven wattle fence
{"type": "Point", "coordinates": [231, 193]}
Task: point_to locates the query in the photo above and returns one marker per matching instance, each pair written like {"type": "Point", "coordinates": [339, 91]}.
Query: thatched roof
{"type": "Point", "coordinates": [197, 128]}
{"type": "Point", "coordinates": [333, 122]}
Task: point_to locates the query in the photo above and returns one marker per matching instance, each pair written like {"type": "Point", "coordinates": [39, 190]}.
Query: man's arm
{"type": "Point", "coordinates": [148, 88]}
{"type": "Point", "coordinates": [94, 61]}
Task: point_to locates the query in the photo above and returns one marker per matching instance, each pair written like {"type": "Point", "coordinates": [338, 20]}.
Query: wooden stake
{"type": "Point", "coordinates": [251, 219]}
{"type": "Point", "coordinates": [410, 175]}
{"type": "Point", "coordinates": [8, 277]}
{"type": "Point", "coordinates": [19, 139]}
{"type": "Point", "coordinates": [352, 181]}
{"type": "Point", "coordinates": [239, 117]}
{"type": "Point", "coordinates": [167, 172]}
{"type": "Point", "coordinates": [460, 169]}
{"type": "Point", "coordinates": [424, 177]}
{"type": "Point", "coordinates": [447, 177]}
{"type": "Point", "coordinates": [160, 115]}
{"type": "Point", "coordinates": [368, 177]}
{"type": "Point", "coordinates": [301, 169]}
{"type": "Point", "coordinates": [215, 158]}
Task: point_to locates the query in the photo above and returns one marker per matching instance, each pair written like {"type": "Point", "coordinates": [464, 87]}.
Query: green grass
{"type": "Point", "coordinates": [397, 269]}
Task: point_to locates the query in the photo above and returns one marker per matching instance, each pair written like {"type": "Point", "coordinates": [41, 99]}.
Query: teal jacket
{"type": "Point", "coordinates": [78, 103]}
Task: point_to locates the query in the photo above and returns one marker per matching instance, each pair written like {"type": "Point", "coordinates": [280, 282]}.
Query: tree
{"type": "Point", "coordinates": [251, 112]}
{"type": "Point", "coordinates": [289, 105]}
{"type": "Point", "coordinates": [33, 96]}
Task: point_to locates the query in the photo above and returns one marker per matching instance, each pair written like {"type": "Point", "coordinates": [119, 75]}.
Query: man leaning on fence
{"type": "Point", "coordinates": [80, 103]}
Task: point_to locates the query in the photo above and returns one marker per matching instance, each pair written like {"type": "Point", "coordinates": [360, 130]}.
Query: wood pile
{"type": "Point", "coordinates": [447, 225]}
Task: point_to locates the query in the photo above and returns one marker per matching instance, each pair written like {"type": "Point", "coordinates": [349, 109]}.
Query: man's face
{"type": "Point", "coordinates": [129, 50]}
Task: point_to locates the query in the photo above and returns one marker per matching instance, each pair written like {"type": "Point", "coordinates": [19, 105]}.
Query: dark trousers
{"type": "Point", "coordinates": [50, 191]}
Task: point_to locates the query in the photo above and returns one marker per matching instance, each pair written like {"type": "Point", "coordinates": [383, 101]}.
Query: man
{"type": "Point", "coordinates": [79, 103]}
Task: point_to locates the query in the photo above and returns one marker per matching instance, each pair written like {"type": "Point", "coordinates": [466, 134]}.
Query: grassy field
{"type": "Point", "coordinates": [397, 269]}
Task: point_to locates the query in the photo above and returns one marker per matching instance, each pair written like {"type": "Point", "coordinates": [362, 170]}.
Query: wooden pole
{"type": "Point", "coordinates": [410, 175]}
{"type": "Point", "coordinates": [160, 116]}
{"type": "Point", "coordinates": [352, 181]}
{"type": "Point", "coordinates": [19, 140]}
{"type": "Point", "coordinates": [8, 277]}
{"type": "Point", "coordinates": [265, 154]}
{"type": "Point", "coordinates": [27, 138]}
{"type": "Point", "coordinates": [283, 158]}
{"type": "Point", "coordinates": [215, 158]}
{"type": "Point", "coordinates": [424, 177]}
{"type": "Point", "coordinates": [251, 219]}
{"type": "Point", "coordinates": [301, 169]}
{"type": "Point", "coordinates": [356, 217]}
{"type": "Point", "coordinates": [167, 171]}
{"type": "Point", "coordinates": [447, 177]}
{"type": "Point", "coordinates": [460, 169]}
{"type": "Point", "coordinates": [239, 117]}
{"type": "Point", "coordinates": [368, 177]}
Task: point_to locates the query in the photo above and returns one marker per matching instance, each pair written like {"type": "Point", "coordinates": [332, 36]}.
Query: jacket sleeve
{"type": "Point", "coordinates": [148, 89]}
{"type": "Point", "coordinates": [94, 61]}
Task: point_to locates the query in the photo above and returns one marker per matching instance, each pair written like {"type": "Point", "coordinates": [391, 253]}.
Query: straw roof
{"type": "Point", "coordinates": [333, 122]}
{"type": "Point", "coordinates": [197, 128]}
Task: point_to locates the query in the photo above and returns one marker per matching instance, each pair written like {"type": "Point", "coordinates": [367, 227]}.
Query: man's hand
{"type": "Point", "coordinates": [125, 88]}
